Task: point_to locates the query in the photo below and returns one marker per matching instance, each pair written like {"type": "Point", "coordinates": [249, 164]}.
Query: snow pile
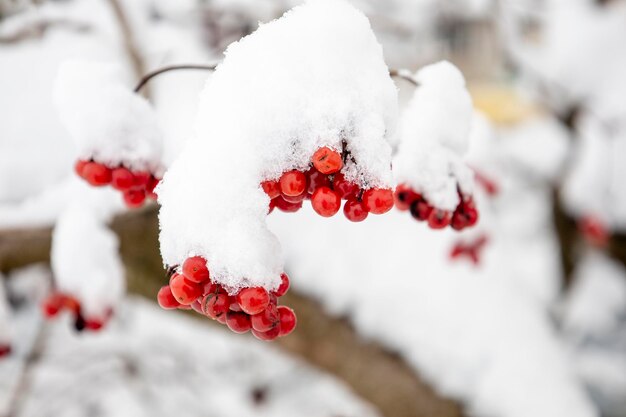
{"type": "Point", "coordinates": [85, 260]}
{"type": "Point", "coordinates": [314, 77]}
{"type": "Point", "coordinates": [107, 120]}
{"type": "Point", "coordinates": [434, 137]}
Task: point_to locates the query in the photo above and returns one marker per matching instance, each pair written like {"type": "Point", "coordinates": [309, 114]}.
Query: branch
{"type": "Point", "coordinates": [327, 342]}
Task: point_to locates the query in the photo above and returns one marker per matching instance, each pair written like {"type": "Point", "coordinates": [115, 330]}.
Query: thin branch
{"type": "Point", "coordinates": [144, 80]}
{"type": "Point", "coordinates": [405, 75]}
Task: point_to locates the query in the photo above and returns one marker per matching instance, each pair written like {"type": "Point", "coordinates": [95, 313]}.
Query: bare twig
{"type": "Point", "coordinates": [144, 80]}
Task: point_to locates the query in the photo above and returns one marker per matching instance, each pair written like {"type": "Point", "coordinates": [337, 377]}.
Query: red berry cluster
{"type": "Point", "coordinates": [5, 350]}
{"type": "Point", "coordinates": [135, 186]}
{"type": "Point", "coordinates": [471, 250]}
{"type": "Point", "coordinates": [56, 302]}
{"type": "Point", "coordinates": [465, 214]}
{"type": "Point", "coordinates": [252, 308]}
{"type": "Point", "coordinates": [326, 186]}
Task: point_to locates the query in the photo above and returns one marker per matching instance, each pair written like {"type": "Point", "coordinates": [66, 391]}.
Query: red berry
{"type": "Point", "coordinates": [283, 287]}
{"type": "Point", "coordinates": [209, 287]}
{"type": "Point", "coordinates": [122, 179]}
{"type": "Point", "coordinates": [195, 269]}
{"type": "Point", "coordinates": [459, 220]}
{"type": "Point", "coordinates": [345, 188]}
{"type": "Point", "coordinates": [253, 300]}
{"type": "Point", "coordinates": [197, 305]}
{"type": "Point", "coordinates": [325, 202]}
{"type": "Point", "coordinates": [184, 290]}
{"type": "Point", "coordinates": [166, 298]}
{"type": "Point", "coordinates": [238, 322]}
{"type": "Point", "coordinates": [378, 200]}
{"type": "Point", "coordinates": [355, 210]}
{"type": "Point", "coordinates": [134, 197]}
{"type": "Point", "coordinates": [5, 350]}
{"type": "Point", "coordinates": [271, 188]}
{"type": "Point", "coordinates": [70, 303]}
{"type": "Point", "coordinates": [287, 320]}
{"type": "Point", "coordinates": [327, 161]}
{"type": "Point", "coordinates": [234, 305]}
{"type": "Point", "coordinates": [215, 305]}
{"type": "Point", "coordinates": [404, 196]}
{"type": "Point", "coordinates": [293, 183]}
{"type": "Point", "coordinates": [78, 167]}
{"type": "Point", "coordinates": [52, 304]}
{"type": "Point", "coordinates": [152, 184]}
{"type": "Point", "coordinates": [141, 179]}
{"type": "Point", "coordinates": [268, 335]}
{"type": "Point", "coordinates": [438, 219]}
{"type": "Point", "coordinates": [265, 320]}
{"type": "Point", "coordinates": [420, 210]}
{"type": "Point", "coordinates": [286, 206]}
{"type": "Point", "coordinates": [316, 180]}
{"type": "Point", "coordinates": [94, 324]}
{"type": "Point", "coordinates": [295, 199]}
{"type": "Point", "coordinates": [96, 174]}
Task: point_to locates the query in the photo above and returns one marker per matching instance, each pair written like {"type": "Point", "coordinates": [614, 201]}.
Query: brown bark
{"type": "Point", "coordinates": [330, 343]}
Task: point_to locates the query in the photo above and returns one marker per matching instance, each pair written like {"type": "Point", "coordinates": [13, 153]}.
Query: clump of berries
{"type": "Point", "coordinates": [251, 309]}
{"type": "Point", "coordinates": [56, 302]}
{"type": "Point", "coordinates": [135, 186]}
{"type": "Point", "coordinates": [325, 185]}
{"type": "Point", "coordinates": [465, 214]}
{"type": "Point", "coordinates": [470, 250]}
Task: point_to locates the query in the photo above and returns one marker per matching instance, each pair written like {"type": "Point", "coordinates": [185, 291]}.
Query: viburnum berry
{"type": "Point", "coordinates": [209, 287]}
{"type": "Point", "coordinates": [404, 196]}
{"type": "Point", "coordinates": [134, 197]}
{"type": "Point", "coordinates": [96, 174]}
{"type": "Point", "coordinates": [78, 167]}
{"type": "Point", "coordinates": [265, 320]}
{"type": "Point", "coordinates": [122, 179]}
{"type": "Point", "coordinates": [5, 350]}
{"type": "Point", "coordinates": [346, 189]}
{"type": "Point", "coordinates": [316, 180]}
{"type": "Point", "coordinates": [93, 324]}
{"type": "Point", "coordinates": [52, 305]}
{"type": "Point", "coordinates": [286, 206]}
{"type": "Point", "coordinates": [293, 183]}
{"type": "Point", "coordinates": [325, 202]}
{"type": "Point", "coordinates": [438, 219]}
{"type": "Point", "coordinates": [238, 322]}
{"type": "Point", "coordinates": [215, 305]}
{"type": "Point", "coordinates": [295, 199]}
{"type": "Point", "coordinates": [166, 299]}
{"type": "Point", "coordinates": [195, 269]}
{"type": "Point", "coordinates": [234, 305]}
{"type": "Point", "coordinates": [151, 186]}
{"type": "Point", "coordinates": [197, 306]}
{"type": "Point", "coordinates": [327, 161]}
{"type": "Point", "coordinates": [355, 210]}
{"type": "Point", "coordinates": [288, 320]}
{"type": "Point", "coordinates": [267, 336]}
{"type": "Point", "coordinates": [141, 179]}
{"type": "Point", "coordinates": [420, 210]}
{"type": "Point", "coordinates": [378, 200]}
{"type": "Point", "coordinates": [271, 188]}
{"type": "Point", "coordinates": [283, 287]}
{"type": "Point", "coordinates": [184, 290]}
{"type": "Point", "coordinates": [253, 300]}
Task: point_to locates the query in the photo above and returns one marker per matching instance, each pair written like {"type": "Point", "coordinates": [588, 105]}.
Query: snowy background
{"type": "Point", "coordinates": [530, 322]}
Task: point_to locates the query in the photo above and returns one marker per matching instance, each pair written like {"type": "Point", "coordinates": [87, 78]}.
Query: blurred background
{"type": "Point", "coordinates": [524, 315]}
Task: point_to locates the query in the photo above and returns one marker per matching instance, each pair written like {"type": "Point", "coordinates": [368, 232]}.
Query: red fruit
{"type": "Point", "coordinates": [268, 335]}
{"type": "Point", "coordinates": [283, 287]}
{"type": "Point", "coordinates": [355, 210]}
{"type": "Point", "coordinates": [238, 322]}
{"type": "Point", "coordinates": [378, 200]}
{"type": "Point", "coordinates": [325, 202]}
{"type": "Point", "coordinates": [52, 304]}
{"type": "Point", "coordinates": [5, 350]}
{"type": "Point", "coordinates": [122, 179]}
{"type": "Point", "coordinates": [78, 167]}
{"type": "Point", "coordinates": [272, 205]}
{"type": "Point", "coordinates": [316, 180]}
{"type": "Point", "coordinates": [265, 320]}
{"type": "Point", "coordinates": [253, 300]}
{"type": "Point", "coordinates": [166, 299]}
{"type": "Point", "coordinates": [209, 287]}
{"type": "Point", "coordinates": [293, 183]}
{"type": "Point", "coordinates": [404, 196]}
{"type": "Point", "coordinates": [327, 161]}
{"type": "Point", "coordinates": [420, 210]}
{"type": "Point", "coordinates": [234, 305]}
{"type": "Point", "coordinates": [345, 188]}
{"type": "Point", "coordinates": [134, 197]}
{"type": "Point", "coordinates": [287, 320]}
{"type": "Point", "coordinates": [152, 184]}
{"type": "Point", "coordinates": [195, 269]}
{"type": "Point", "coordinates": [184, 290]}
{"type": "Point", "coordinates": [96, 174]}
{"type": "Point", "coordinates": [295, 199]}
{"type": "Point", "coordinates": [141, 179]}
{"type": "Point", "coordinates": [197, 305]}
{"type": "Point", "coordinates": [438, 219]}
{"type": "Point", "coordinates": [70, 303]}
{"type": "Point", "coordinates": [286, 206]}
{"type": "Point", "coordinates": [459, 220]}
{"type": "Point", "coordinates": [594, 231]}
{"type": "Point", "coordinates": [215, 305]}
{"type": "Point", "coordinates": [271, 188]}
{"type": "Point", "coordinates": [94, 324]}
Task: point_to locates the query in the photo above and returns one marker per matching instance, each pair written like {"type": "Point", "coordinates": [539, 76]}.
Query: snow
{"type": "Point", "coordinates": [106, 119]}
{"type": "Point", "coordinates": [314, 77]}
{"type": "Point", "coordinates": [85, 259]}
{"type": "Point", "coordinates": [434, 137]}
